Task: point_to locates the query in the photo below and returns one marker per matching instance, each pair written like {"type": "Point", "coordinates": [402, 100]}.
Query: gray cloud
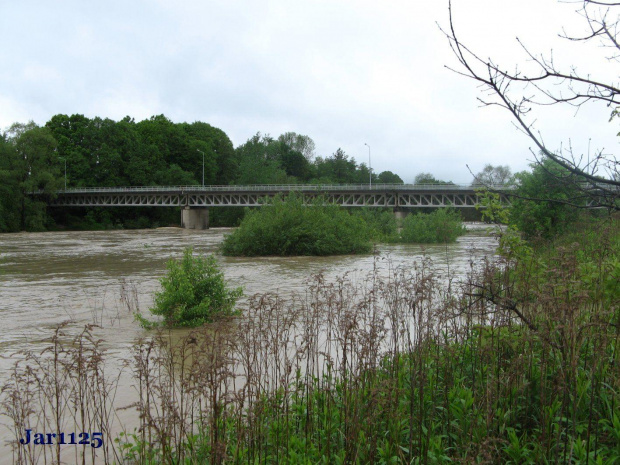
{"type": "Point", "coordinates": [342, 72]}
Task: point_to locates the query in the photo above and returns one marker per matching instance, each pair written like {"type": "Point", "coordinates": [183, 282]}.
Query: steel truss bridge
{"type": "Point", "coordinates": [396, 196]}
{"type": "Point", "coordinates": [195, 201]}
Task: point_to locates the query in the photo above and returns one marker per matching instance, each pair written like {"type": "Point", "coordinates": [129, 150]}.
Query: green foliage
{"type": "Point", "coordinates": [340, 169]}
{"type": "Point", "coordinates": [511, 243]}
{"type": "Point", "coordinates": [441, 226]}
{"type": "Point", "coordinates": [220, 161]}
{"type": "Point", "coordinates": [596, 245]}
{"type": "Point", "coordinates": [101, 152]}
{"type": "Point", "coordinates": [259, 162]}
{"type": "Point", "coordinates": [299, 143]}
{"type": "Point", "coordinates": [381, 223]}
{"type": "Point", "coordinates": [194, 292]}
{"type": "Point", "coordinates": [546, 201]}
{"type": "Point", "coordinates": [387, 177]}
{"type": "Point", "coordinates": [493, 211]}
{"type": "Point", "coordinates": [287, 227]}
{"type": "Point", "coordinates": [493, 176]}
{"type": "Point", "coordinates": [28, 163]}
{"type": "Point", "coordinates": [428, 178]}
{"type": "Point", "coordinates": [156, 151]}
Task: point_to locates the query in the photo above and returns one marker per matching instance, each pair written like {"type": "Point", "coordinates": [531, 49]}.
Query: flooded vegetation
{"type": "Point", "coordinates": [404, 356]}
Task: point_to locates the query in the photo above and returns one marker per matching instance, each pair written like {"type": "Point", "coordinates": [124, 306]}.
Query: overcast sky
{"type": "Point", "coordinates": [344, 73]}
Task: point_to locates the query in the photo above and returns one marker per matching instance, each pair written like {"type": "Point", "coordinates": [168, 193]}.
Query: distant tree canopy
{"type": "Point", "coordinates": [265, 160]}
{"type": "Point", "coordinates": [299, 143]}
{"type": "Point", "coordinates": [28, 163]}
{"type": "Point", "coordinates": [105, 153]}
{"type": "Point", "coordinates": [387, 177]}
{"type": "Point", "coordinates": [493, 176]}
{"type": "Point", "coordinates": [102, 152]}
{"type": "Point", "coordinates": [340, 169]}
{"type": "Point", "coordinates": [428, 178]}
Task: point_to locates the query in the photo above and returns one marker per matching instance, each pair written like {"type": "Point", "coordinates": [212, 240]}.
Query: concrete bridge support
{"type": "Point", "coordinates": [400, 213]}
{"type": "Point", "coordinates": [195, 218]}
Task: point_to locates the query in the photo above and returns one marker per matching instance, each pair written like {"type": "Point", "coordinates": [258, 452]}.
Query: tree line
{"type": "Point", "coordinates": [77, 151]}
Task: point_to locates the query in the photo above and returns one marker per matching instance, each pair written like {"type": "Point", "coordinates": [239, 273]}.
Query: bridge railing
{"type": "Point", "coordinates": [275, 188]}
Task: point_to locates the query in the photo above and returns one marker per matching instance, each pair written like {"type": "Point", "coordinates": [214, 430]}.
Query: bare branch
{"type": "Point", "coordinates": [591, 187]}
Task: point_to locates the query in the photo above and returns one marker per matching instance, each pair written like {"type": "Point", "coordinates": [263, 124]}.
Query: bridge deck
{"type": "Point", "coordinates": [350, 195]}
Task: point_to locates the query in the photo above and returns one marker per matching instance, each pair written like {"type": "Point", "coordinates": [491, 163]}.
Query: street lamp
{"type": "Point", "coordinates": [65, 160]}
{"type": "Point", "coordinates": [203, 167]}
{"type": "Point", "coordinates": [369, 167]}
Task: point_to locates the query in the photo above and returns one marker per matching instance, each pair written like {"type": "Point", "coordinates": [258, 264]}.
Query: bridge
{"type": "Point", "coordinates": [196, 200]}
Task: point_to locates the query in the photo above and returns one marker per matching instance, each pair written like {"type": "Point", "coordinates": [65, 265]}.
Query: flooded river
{"type": "Point", "coordinates": [101, 276]}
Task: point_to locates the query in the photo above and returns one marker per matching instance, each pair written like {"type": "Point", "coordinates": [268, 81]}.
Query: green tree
{"type": "Point", "coordinates": [173, 175]}
{"type": "Point", "coordinates": [30, 165]}
{"type": "Point", "coordinates": [428, 178]}
{"type": "Point", "coordinates": [546, 201]}
{"type": "Point", "coordinates": [493, 176]}
{"type": "Point", "coordinates": [78, 141]}
{"type": "Point", "coordinates": [294, 163]}
{"type": "Point", "coordinates": [120, 142]}
{"type": "Point", "coordinates": [9, 200]}
{"type": "Point", "coordinates": [387, 177]}
{"type": "Point", "coordinates": [302, 144]}
{"type": "Point", "coordinates": [259, 162]}
{"type": "Point", "coordinates": [338, 168]}
{"type": "Point", "coordinates": [221, 165]}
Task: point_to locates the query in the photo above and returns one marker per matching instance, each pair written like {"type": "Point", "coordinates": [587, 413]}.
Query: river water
{"type": "Point", "coordinates": [100, 277]}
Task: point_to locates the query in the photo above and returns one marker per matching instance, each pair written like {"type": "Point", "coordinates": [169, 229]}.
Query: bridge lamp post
{"type": "Point", "coordinates": [369, 167]}
{"type": "Point", "coordinates": [65, 160]}
{"type": "Point", "coordinates": [203, 167]}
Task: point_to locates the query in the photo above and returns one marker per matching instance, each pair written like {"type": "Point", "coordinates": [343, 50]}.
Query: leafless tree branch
{"type": "Point", "coordinates": [558, 87]}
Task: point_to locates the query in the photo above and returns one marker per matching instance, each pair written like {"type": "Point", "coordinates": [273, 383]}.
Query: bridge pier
{"type": "Point", "coordinates": [400, 213]}
{"type": "Point", "coordinates": [195, 218]}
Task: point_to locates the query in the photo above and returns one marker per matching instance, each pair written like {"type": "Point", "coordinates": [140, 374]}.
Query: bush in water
{"type": "Point", "coordinates": [193, 292]}
{"type": "Point", "coordinates": [287, 226]}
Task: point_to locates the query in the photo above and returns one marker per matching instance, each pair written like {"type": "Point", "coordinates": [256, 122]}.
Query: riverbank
{"type": "Point", "coordinates": [511, 360]}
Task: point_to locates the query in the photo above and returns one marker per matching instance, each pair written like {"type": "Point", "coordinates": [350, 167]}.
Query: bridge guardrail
{"type": "Point", "coordinates": [276, 187]}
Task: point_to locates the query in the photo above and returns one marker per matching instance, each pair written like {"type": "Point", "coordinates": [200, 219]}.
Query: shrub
{"type": "Point", "coordinates": [442, 225]}
{"type": "Point", "coordinates": [382, 223]}
{"type": "Point", "coordinates": [288, 227]}
{"type": "Point", "coordinates": [194, 292]}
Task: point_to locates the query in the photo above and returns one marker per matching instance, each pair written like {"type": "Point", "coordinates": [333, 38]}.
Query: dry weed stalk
{"type": "Point", "coordinates": [63, 388]}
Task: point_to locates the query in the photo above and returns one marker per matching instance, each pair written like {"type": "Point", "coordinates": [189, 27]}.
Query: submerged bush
{"type": "Point", "coordinates": [193, 292]}
{"type": "Point", "coordinates": [442, 225]}
{"type": "Point", "coordinates": [288, 227]}
{"type": "Point", "coordinates": [382, 223]}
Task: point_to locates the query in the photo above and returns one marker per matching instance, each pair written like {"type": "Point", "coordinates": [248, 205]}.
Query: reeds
{"type": "Point", "coordinates": [64, 388]}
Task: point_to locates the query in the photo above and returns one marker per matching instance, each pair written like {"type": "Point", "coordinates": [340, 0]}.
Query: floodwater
{"type": "Point", "coordinates": [100, 277]}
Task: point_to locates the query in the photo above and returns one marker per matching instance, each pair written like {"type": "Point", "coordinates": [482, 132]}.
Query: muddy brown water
{"type": "Point", "coordinates": [90, 277]}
